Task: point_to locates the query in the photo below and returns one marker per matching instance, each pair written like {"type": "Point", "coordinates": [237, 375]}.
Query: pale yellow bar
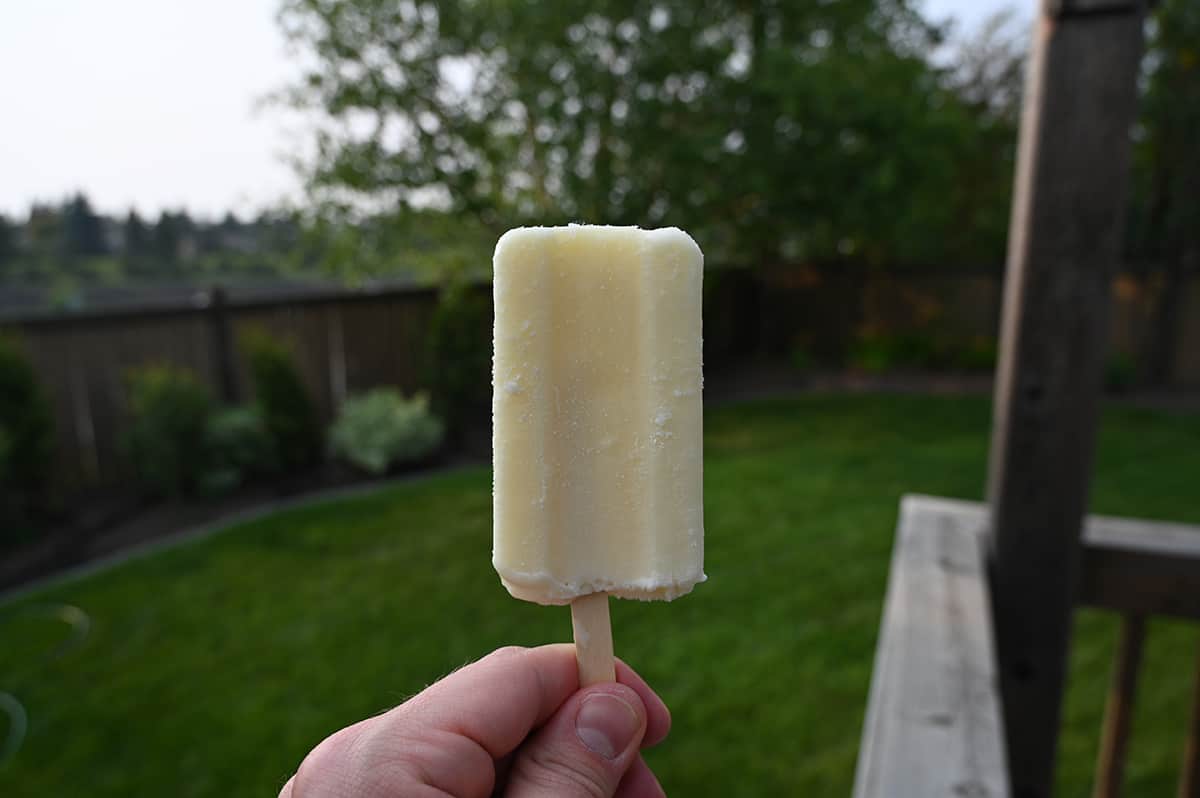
{"type": "Point", "coordinates": [597, 412]}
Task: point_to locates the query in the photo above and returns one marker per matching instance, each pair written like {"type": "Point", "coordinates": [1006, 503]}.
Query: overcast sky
{"type": "Point", "coordinates": [154, 103]}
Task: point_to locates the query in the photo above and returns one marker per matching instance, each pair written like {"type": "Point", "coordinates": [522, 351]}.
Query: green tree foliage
{"type": "Point", "coordinates": [82, 232]}
{"type": "Point", "coordinates": [428, 245]}
{"type": "Point", "coordinates": [284, 402]}
{"type": "Point", "coordinates": [166, 239]}
{"type": "Point", "coordinates": [775, 130]}
{"type": "Point", "coordinates": [1166, 208]}
{"type": "Point", "coordinates": [65, 247]}
{"type": "Point", "coordinates": [43, 231]}
{"type": "Point", "coordinates": [988, 76]}
{"type": "Point", "coordinates": [1168, 155]}
{"type": "Point", "coordinates": [136, 240]}
{"type": "Point", "coordinates": [460, 356]}
{"type": "Point", "coordinates": [8, 242]}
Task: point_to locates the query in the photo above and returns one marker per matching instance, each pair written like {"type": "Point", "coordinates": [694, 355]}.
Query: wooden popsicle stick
{"type": "Point", "coordinates": [593, 639]}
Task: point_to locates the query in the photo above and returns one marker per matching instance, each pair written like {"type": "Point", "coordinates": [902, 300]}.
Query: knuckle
{"type": "Point", "coordinates": [552, 772]}
{"type": "Point", "coordinates": [505, 652]}
{"type": "Point", "coordinates": [320, 769]}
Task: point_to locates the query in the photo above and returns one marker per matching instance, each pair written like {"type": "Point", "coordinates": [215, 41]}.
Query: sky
{"type": "Point", "coordinates": [154, 104]}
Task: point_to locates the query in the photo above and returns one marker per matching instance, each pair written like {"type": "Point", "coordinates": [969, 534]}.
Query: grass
{"type": "Point", "coordinates": [212, 668]}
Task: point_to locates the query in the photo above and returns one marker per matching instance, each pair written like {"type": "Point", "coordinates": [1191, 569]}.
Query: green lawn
{"type": "Point", "coordinates": [212, 668]}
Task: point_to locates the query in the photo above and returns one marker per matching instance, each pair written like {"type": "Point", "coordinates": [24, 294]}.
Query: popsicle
{"type": "Point", "coordinates": [597, 421]}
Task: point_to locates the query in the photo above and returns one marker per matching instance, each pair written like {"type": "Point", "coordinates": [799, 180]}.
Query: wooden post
{"type": "Point", "coordinates": [222, 344]}
{"type": "Point", "coordinates": [1118, 715]}
{"type": "Point", "coordinates": [1064, 243]}
{"type": "Point", "coordinates": [1189, 779]}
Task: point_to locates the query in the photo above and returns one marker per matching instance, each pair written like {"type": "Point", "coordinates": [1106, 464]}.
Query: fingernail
{"type": "Point", "coordinates": [606, 725]}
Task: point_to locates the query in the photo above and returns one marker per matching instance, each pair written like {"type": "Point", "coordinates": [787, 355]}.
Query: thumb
{"type": "Point", "coordinates": [585, 749]}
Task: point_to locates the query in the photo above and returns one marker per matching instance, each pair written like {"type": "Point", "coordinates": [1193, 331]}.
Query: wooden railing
{"type": "Point", "coordinates": [1140, 569]}
{"type": "Point", "coordinates": [1043, 556]}
{"type": "Point", "coordinates": [935, 723]}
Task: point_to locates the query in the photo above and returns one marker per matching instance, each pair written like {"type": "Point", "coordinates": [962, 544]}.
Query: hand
{"type": "Point", "coordinates": [513, 724]}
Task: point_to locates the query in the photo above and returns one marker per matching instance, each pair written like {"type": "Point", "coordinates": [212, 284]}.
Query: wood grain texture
{"type": "Point", "coordinates": [1064, 244]}
{"type": "Point", "coordinates": [933, 725]}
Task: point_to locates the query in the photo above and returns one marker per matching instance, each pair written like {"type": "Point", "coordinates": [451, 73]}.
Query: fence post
{"type": "Point", "coordinates": [335, 340]}
{"type": "Point", "coordinates": [1064, 242]}
{"type": "Point", "coordinates": [84, 422]}
{"type": "Point", "coordinates": [222, 344]}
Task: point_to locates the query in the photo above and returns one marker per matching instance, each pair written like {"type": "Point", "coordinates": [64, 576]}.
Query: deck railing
{"type": "Point", "coordinates": [935, 724]}
{"type": "Point", "coordinates": [1140, 569]}
{"type": "Point", "coordinates": [934, 721]}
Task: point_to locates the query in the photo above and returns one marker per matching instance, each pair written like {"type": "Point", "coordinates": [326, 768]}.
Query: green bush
{"type": "Point", "coordinates": [929, 351]}
{"type": "Point", "coordinates": [460, 356]}
{"type": "Point", "coordinates": [877, 352]}
{"type": "Point", "coordinates": [286, 407]}
{"type": "Point", "coordinates": [166, 439]}
{"type": "Point", "coordinates": [237, 448]}
{"type": "Point", "coordinates": [381, 429]}
{"type": "Point", "coordinates": [976, 355]}
{"type": "Point", "coordinates": [1120, 372]}
{"type": "Point", "coordinates": [801, 357]}
{"type": "Point", "coordinates": [26, 444]}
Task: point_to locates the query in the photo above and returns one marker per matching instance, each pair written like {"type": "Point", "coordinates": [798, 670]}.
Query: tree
{"type": "Point", "coordinates": [43, 232]}
{"type": "Point", "coordinates": [8, 242]}
{"type": "Point", "coordinates": [775, 130]}
{"type": "Point", "coordinates": [82, 233]}
{"type": "Point", "coordinates": [988, 69]}
{"type": "Point", "coordinates": [987, 73]}
{"type": "Point", "coordinates": [136, 239]}
{"type": "Point", "coordinates": [1167, 176]}
{"type": "Point", "coordinates": [171, 240]}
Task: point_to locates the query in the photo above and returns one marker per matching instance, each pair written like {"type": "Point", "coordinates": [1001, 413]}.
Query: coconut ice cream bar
{"type": "Point", "coordinates": [597, 413]}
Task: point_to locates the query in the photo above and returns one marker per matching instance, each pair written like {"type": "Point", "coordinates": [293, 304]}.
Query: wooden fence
{"type": "Point", "coordinates": [343, 343]}
{"type": "Point", "coordinates": [349, 341]}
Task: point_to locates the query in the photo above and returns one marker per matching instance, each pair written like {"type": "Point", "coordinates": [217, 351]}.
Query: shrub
{"type": "Point", "coordinates": [880, 352]}
{"type": "Point", "coordinates": [167, 433]}
{"type": "Point", "coordinates": [381, 429]}
{"type": "Point", "coordinates": [460, 356]}
{"type": "Point", "coordinates": [237, 448]}
{"type": "Point", "coordinates": [877, 353]}
{"type": "Point", "coordinates": [1120, 372]}
{"type": "Point", "coordinates": [801, 357]}
{"type": "Point", "coordinates": [26, 443]}
{"type": "Point", "coordinates": [977, 355]}
{"type": "Point", "coordinates": [287, 410]}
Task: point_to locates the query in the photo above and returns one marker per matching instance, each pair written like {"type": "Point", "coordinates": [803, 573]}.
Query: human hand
{"type": "Point", "coordinates": [513, 724]}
